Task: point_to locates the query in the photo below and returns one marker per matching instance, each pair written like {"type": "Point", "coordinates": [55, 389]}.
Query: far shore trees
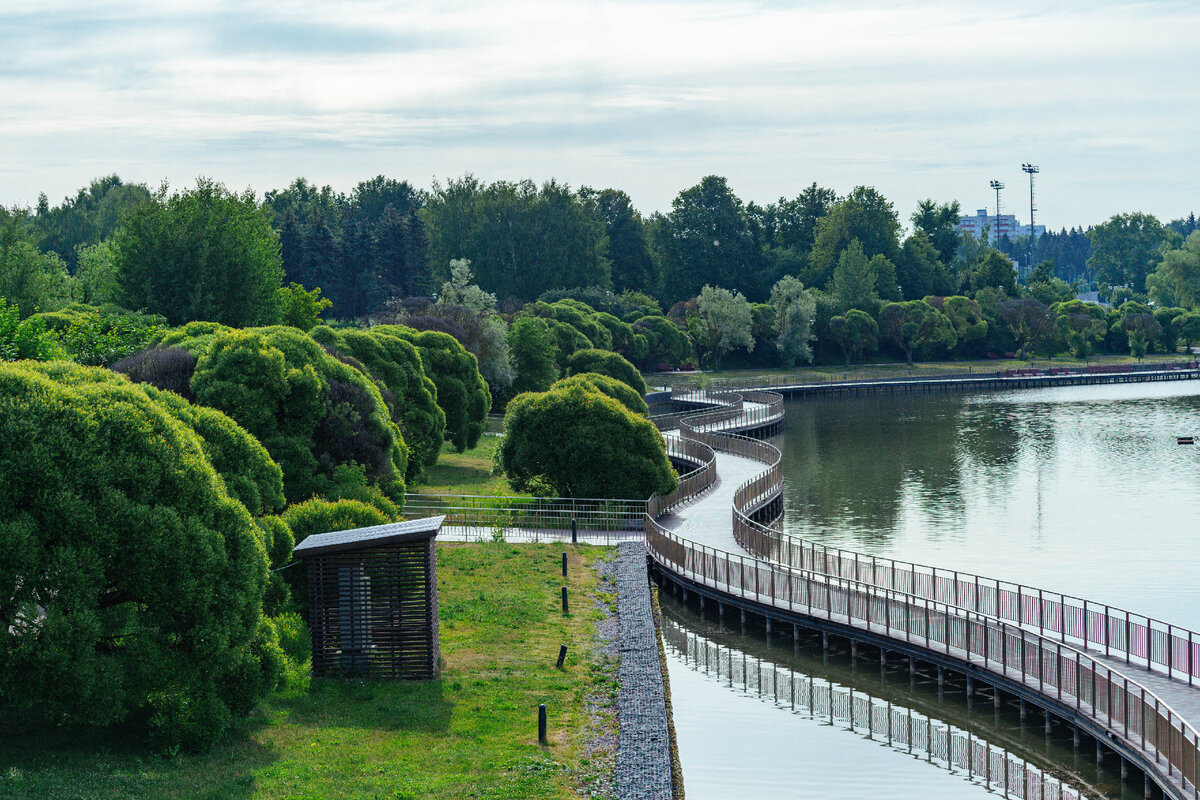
{"type": "Point", "coordinates": [201, 254]}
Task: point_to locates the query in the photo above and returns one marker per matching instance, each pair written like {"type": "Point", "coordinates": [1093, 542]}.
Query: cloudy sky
{"type": "Point", "coordinates": [919, 99]}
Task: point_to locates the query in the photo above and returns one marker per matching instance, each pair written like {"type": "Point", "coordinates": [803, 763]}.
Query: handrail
{"type": "Point", "coordinates": [1056, 669]}
{"type": "Point", "coordinates": [1143, 641]}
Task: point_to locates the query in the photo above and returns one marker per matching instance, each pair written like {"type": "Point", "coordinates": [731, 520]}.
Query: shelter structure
{"type": "Point", "coordinates": [373, 604]}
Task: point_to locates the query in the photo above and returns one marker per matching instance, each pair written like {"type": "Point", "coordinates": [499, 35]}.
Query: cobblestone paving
{"type": "Point", "coordinates": [643, 746]}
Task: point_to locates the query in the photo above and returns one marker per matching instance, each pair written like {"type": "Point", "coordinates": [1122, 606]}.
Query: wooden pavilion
{"type": "Point", "coordinates": [373, 603]}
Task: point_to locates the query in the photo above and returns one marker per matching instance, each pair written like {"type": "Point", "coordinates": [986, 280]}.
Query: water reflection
{"type": "Point", "coordinates": [779, 729]}
{"type": "Point", "coordinates": [1079, 489]}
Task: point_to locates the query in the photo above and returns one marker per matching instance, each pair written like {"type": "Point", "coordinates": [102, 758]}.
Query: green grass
{"type": "Point", "coordinates": [469, 472]}
{"type": "Point", "coordinates": [893, 370]}
{"type": "Point", "coordinates": [472, 733]}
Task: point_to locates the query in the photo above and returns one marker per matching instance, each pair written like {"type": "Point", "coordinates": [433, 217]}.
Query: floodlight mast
{"type": "Point", "coordinates": [997, 185]}
{"type": "Point", "coordinates": [1030, 170]}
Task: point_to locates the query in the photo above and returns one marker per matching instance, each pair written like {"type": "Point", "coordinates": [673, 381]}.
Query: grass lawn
{"type": "Point", "coordinates": [469, 472]}
{"type": "Point", "coordinates": [472, 733]}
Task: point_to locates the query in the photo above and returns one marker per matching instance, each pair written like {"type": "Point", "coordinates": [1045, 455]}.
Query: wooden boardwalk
{"type": "Point", "coordinates": [1147, 712]}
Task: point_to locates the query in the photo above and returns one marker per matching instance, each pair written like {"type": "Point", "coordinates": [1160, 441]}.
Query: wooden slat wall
{"type": "Point", "coordinates": [373, 613]}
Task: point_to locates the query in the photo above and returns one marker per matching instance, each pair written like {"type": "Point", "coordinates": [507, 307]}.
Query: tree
{"type": "Point", "coordinates": [29, 279]}
{"type": "Point", "coordinates": [533, 350]}
{"type": "Point", "coordinates": [913, 325]}
{"type": "Point", "coordinates": [408, 391]}
{"type": "Point", "coordinates": [620, 391]}
{"type": "Point", "coordinates": [201, 254]}
{"type": "Point", "coordinates": [853, 283]}
{"type": "Point", "coordinates": [1043, 285]}
{"type": "Point", "coordinates": [854, 332]}
{"type": "Point", "coordinates": [966, 316]}
{"type": "Point", "coordinates": [865, 215]}
{"type": "Point", "coordinates": [87, 219]}
{"type": "Point", "coordinates": [1030, 322]}
{"type": "Point", "coordinates": [633, 268]}
{"type": "Point", "coordinates": [666, 342]}
{"type": "Point", "coordinates": [581, 443]}
{"type": "Point", "coordinates": [1176, 279]}
{"type": "Point", "coordinates": [794, 310]}
{"type": "Point", "coordinates": [300, 308]}
{"type": "Point", "coordinates": [705, 240]}
{"type": "Point", "coordinates": [521, 239]}
{"type": "Point", "coordinates": [1140, 327]}
{"type": "Point", "coordinates": [116, 536]}
{"type": "Point", "coordinates": [1082, 325]}
{"type": "Point", "coordinates": [1187, 329]}
{"type": "Point", "coordinates": [1126, 248]}
{"type": "Point", "coordinates": [606, 363]}
{"type": "Point", "coordinates": [95, 277]}
{"type": "Point", "coordinates": [939, 224]}
{"type": "Point", "coordinates": [994, 269]}
{"type": "Point", "coordinates": [920, 270]}
{"type": "Point", "coordinates": [723, 322]}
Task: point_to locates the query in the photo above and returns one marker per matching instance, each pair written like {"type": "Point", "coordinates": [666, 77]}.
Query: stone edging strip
{"type": "Point", "coordinates": [644, 742]}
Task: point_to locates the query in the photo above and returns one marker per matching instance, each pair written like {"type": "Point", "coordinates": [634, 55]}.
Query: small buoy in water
{"type": "Point", "coordinates": [1185, 440]}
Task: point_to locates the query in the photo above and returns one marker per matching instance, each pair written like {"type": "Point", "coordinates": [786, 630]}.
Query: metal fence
{"type": "Point", "coordinates": [1140, 640]}
{"type": "Point", "coordinates": [1054, 669]}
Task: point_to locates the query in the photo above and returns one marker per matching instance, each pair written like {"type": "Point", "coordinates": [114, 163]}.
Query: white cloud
{"type": "Point", "coordinates": [919, 99]}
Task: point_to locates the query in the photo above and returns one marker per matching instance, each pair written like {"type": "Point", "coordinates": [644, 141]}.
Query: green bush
{"type": "Point", "coordinates": [583, 444]}
{"type": "Point", "coordinates": [312, 412]}
{"type": "Point", "coordinates": [322, 516]}
{"type": "Point", "coordinates": [25, 339]}
{"type": "Point", "coordinates": [462, 393]}
{"type": "Point", "coordinates": [606, 363]}
{"type": "Point", "coordinates": [133, 581]}
{"type": "Point", "coordinates": [617, 390]}
{"type": "Point", "coordinates": [409, 392]}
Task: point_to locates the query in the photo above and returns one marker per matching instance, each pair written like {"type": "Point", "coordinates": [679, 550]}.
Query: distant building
{"type": "Point", "coordinates": [1004, 225]}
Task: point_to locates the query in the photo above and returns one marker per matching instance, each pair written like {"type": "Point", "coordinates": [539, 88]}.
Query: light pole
{"type": "Point", "coordinates": [1031, 170]}
{"type": "Point", "coordinates": [997, 185]}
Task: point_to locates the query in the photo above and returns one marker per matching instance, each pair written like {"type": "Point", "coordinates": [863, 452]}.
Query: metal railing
{"type": "Point", "coordinates": [1053, 668]}
{"type": "Point", "coordinates": [1140, 640]}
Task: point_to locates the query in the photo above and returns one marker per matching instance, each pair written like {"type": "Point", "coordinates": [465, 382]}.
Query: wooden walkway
{"type": "Point", "coordinates": [1149, 717]}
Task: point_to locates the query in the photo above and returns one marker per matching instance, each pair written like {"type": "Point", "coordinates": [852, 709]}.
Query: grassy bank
{"type": "Point", "coordinates": [469, 472]}
{"type": "Point", "coordinates": [472, 733]}
{"type": "Point", "coordinates": [893, 370]}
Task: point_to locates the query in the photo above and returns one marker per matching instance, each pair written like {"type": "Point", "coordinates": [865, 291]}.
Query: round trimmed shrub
{"type": "Point", "coordinates": [607, 363]}
{"type": "Point", "coordinates": [410, 394]}
{"type": "Point", "coordinates": [617, 390]}
{"type": "Point", "coordinates": [582, 443]}
{"type": "Point", "coordinates": [133, 582]}
{"type": "Point", "coordinates": [312, 412]}
{"type": "Point", "coordinates": [462, 393]}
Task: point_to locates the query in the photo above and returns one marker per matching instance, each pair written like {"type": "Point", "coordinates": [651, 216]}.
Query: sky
{"type": "Point", "coordinates": [918, 99]}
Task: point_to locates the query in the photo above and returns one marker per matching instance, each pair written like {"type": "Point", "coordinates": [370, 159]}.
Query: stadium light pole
{"type": "Point", "coordinates": [1030, 170]}
{"type": "Point", "coordinates": [997, 185]}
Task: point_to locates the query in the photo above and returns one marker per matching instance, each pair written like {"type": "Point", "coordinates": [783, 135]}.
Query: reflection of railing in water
{"type": "Point", "coordinates": [901, 728]}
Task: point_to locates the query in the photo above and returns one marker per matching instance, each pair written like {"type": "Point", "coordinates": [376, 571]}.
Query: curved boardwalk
{"type": "Point", "coordinates": [1125, 680]}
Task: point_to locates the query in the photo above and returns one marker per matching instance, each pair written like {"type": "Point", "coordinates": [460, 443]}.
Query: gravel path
{"type": "Point", "coordinates": [643, 746]}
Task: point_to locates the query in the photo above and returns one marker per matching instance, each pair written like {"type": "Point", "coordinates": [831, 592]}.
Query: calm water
{"type": "Point", "coordinates": [741, 732]}
{"type": "Point", "coordinates": [1082, 490]}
